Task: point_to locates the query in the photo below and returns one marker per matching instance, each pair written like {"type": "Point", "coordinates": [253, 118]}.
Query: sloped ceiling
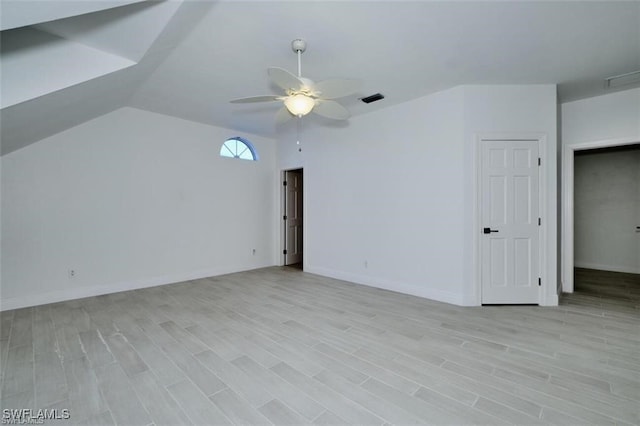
{"type": "Point", "coordinates": [188, 59]}
{"type": "Point", "coordinates": [21, 13]}
{"type": "Point", "coordinates": [61, 73]}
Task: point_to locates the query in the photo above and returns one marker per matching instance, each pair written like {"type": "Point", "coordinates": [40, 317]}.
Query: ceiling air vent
{"type": "Point", "coordinates": [622, 79]}
{"type": "Point", "coordinates": [372, 98]}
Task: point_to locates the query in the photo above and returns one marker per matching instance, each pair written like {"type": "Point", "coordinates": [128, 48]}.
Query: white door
{"type": "Point", "coordinates": [293, 217]}
{"type": "Point", "coordinates": [510, 222]}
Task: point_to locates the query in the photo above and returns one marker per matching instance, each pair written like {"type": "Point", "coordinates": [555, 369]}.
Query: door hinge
{"type": "Point", "coordinates": [284, 217]}
{"type": "Point", "coordinates": [284, 183]}
{"type": "Point", "coordinates": [539, 221]}
{"type": "Point", "coordinates": [539, 161]}
{"type": "Point", "coordinates": [539, 281]}
{"type": "Point", "coordinates": [284, 251]}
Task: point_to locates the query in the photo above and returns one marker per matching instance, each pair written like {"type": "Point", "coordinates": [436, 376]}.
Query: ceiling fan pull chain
{"type": "Point", "coordinates": [298, 125]}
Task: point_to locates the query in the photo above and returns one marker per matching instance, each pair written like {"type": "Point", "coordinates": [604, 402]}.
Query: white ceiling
{"type": "Point", "coordinates": [211, 52]}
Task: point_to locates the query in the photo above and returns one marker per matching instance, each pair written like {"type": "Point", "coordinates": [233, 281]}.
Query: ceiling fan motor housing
{"type": "Point", "coordinates": [299, 45]}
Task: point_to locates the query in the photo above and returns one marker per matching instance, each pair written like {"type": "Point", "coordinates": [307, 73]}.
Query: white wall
{"type": "Point", "coordinates": [395, 188]}
{"type": "Point", "coordinates": [613, 116]}
{"type": "Point", "coordinates": [128, 200]}
{"type": "Point", "coordinates": [382, 191]}
{"type": "Point", "coordinates": [133, 199]}
{"type": "Point", "coordinates": [607, 210]}
{"type": "Point", "coordinates": [602, 121]}
{"type": "Point", "coordinates": [512, 111]}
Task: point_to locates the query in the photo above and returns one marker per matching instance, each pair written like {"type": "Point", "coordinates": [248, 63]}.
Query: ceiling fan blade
{"type": "Point", "coordinates": [284, 79]}
{"type": "Point", "coordinates": [283, 115]}
{"type": "Point", "coordinates": [256, 99]}
{"type": "Point", "coordinates": [337, 88]}
{"type": "Point", "coordinates": [331, 109]}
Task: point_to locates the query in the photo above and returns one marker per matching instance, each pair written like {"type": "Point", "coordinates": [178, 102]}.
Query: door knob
{"type": "Point", "coordinates": [489, 230]}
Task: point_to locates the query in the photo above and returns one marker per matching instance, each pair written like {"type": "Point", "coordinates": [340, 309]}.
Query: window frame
{"type": "Point", "coordinates": [235, 155]}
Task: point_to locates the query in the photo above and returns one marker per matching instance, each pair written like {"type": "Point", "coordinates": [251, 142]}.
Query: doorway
{"type": "Point", "coordinates": [510, 221]}
{"type": "Point", "coordinates": [568, 208]}
{"type": "Point", "coordinates": [607, 209]}
{"type": "Point", "coordinates": [293, 217]}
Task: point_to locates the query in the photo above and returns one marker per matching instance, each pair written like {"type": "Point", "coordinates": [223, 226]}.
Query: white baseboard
{"type": "Point", "coordinates": [551, 300]}
{"type": "Point", "coordinates": [81, 292]}
{"type": "Point", "coordinates": [427, 293]}
{"type": "Point", "coordinates": [612, 268]}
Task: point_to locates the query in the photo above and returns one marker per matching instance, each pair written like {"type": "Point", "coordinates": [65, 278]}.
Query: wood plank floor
{"type": "Point", "coordinates": [279, 346]}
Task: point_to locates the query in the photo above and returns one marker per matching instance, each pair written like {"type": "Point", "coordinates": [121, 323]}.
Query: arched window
{"type": "Point", "coordinates": [238, 147]}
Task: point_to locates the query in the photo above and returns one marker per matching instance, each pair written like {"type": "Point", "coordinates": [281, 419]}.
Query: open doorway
{"type": "Point", "coordinates": [607, 225]}
{"type": "Point", "coordinates": [293, 232]}
{"type": "Point", "coordinates": [569, 226]}
{"type": "Point", "coordinates": [607, 209]}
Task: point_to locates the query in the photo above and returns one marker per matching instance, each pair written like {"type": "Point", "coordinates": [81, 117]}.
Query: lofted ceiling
{"type": "Point", "coordinates": [189, 58]}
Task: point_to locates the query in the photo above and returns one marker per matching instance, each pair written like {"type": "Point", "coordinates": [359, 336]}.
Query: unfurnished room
{"type": "Point", "coordinates": [319, 212]}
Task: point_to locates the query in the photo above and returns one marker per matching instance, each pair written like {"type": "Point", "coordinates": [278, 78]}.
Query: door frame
{"type": "Point", "coordinates": [542, 207]}
{"type": "Point", "coordinates": [283, 212]}
{"type": "Point", "coordinates": [568, 186]}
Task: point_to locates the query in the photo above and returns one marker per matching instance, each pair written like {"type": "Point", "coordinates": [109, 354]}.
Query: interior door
{"type": "Point", "coordinates": [510, 222]}
{"type": "Point", "coordinates": [293, 217]}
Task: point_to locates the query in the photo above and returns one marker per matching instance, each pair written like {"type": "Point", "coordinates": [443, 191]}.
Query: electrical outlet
{"type": "Point", "coordinates": [72, 274]}
{"type": "Point", "coordinates": [366, 264]}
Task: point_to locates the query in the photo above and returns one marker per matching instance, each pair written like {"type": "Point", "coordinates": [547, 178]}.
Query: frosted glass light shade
{"type": "Point", "coordinates": [299, 104]}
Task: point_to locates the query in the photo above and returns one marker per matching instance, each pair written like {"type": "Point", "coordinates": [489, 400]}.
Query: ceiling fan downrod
{"type": "Point", "coordinates": [299, 46]}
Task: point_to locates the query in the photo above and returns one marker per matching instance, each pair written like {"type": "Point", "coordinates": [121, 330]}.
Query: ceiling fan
{"type": "Point", "coordinates": [302, 95]}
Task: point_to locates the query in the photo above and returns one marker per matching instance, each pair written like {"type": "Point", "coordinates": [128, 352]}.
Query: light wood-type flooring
{"type": "Point", "coordinates": [280, 346]}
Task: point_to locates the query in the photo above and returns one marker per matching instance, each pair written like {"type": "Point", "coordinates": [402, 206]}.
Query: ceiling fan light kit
{"type": "Point", "coordinates": [303, 95]}
{"type": "Point", "coordinates": [299, 104]}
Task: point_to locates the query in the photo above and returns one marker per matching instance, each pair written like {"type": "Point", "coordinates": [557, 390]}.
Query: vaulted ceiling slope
{"type": "Point", "coordinates": [62, 72]}
{"type": "Point", "coordinates": [189, 58]}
